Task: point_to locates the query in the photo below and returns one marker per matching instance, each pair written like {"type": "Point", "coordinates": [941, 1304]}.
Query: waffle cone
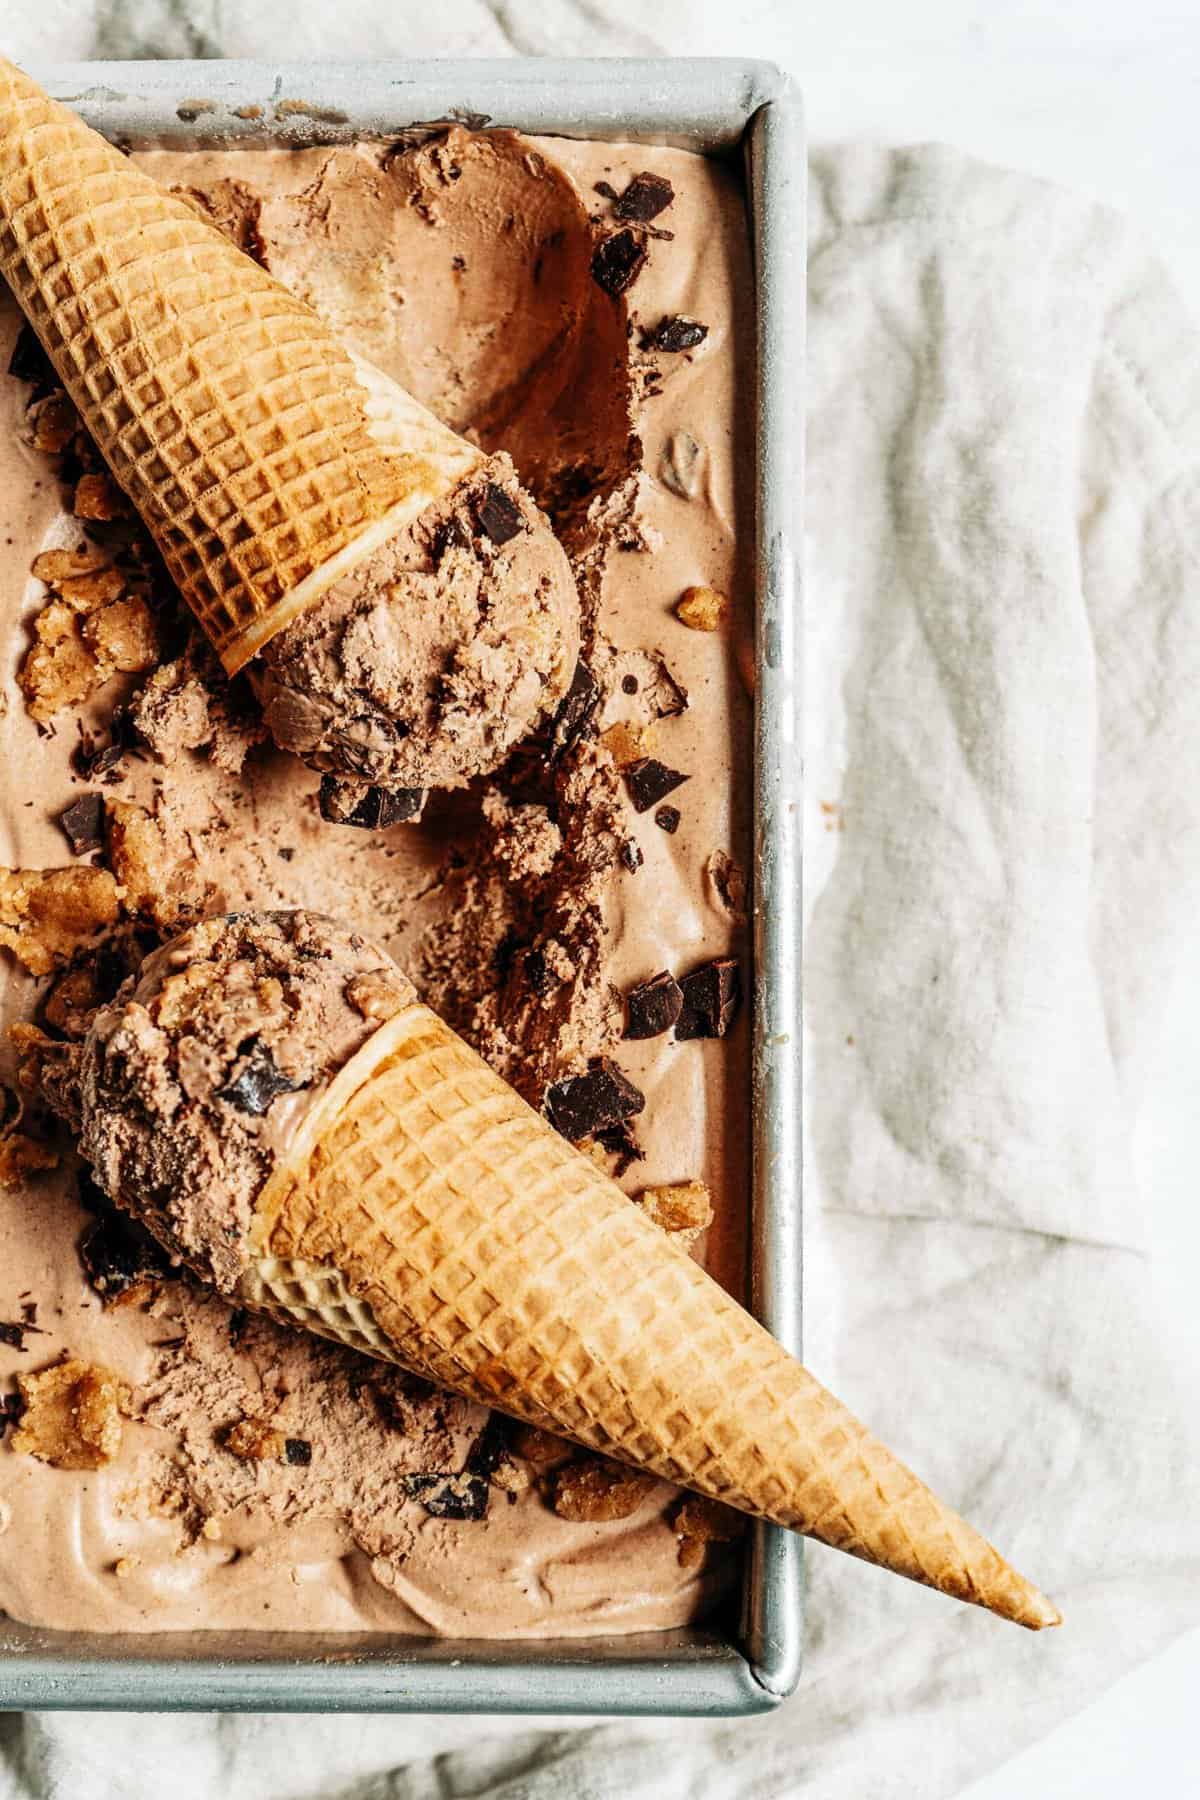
{"type": "Point", "coordinates": [427, 1215]}
{"type": "Point", "coordinates": [265, 459]}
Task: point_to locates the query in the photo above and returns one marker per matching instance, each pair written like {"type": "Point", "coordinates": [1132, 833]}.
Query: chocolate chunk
{"type": "Point", "coordinates": [258, 1082]}
{"type": "Point", "coordinates": [450, 1496]}
{"type": "Point", "coordinates": [489, 1449]}
{"type": "Point", "coordinates": [654, 1006]}
{"type": "Point", "coordinates": [575, 712]}
{"type": "Point", "coordinates": [618, 261]}
{"type": "Point", "coordinates": [497, 514]}
{"type": "Point", "coordinates": [298, 1452]}
{"type": "Point", "coordinates": [677, 333]}
{"type": "Point", "coordinates": [536, 972]}
{"type": "Point", "coordinates": [631, 856]}
{"type": "Point", "coordinates": [619, 1141]}
{"type": "Point", "coordinates": [29, 361]}
{"type": "Point", "coordinates": [118, 1256]}
{"type": "Point", "coordinates": [712, 995]}
{"type": "Point", "coordinates": [650, 781]}
{"type": "Point", "coordinates": [345, 803]}
{"type": "Point", "coordinates": [646, 196]}
{"type": "Point", "coordinates": [667, 818]}
{"type": "Point", "coordinates": [585, 1105]}
{"type": "Point", "coordinates": [83, 822]}
{"type": "Point", "coordinates": [629, 684]}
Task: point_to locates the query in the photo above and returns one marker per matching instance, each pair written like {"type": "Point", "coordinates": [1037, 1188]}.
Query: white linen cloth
{"type": "Point", "coordinates": [1003, 845]}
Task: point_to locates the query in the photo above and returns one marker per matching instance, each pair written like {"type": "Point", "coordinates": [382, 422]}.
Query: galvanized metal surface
{"type": "Point", "coordinates": [711, 106]}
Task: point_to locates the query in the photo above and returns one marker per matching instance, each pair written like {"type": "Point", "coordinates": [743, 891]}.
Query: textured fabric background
{"type": "Point", "coordinates": [1003, 621]}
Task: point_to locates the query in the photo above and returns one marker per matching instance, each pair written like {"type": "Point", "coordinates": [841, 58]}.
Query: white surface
{"type": "Point", "coordinates": [1100, 94]}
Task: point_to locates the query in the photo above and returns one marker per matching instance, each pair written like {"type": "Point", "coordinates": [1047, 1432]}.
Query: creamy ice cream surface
{"type": "Point", "coordinates": [581, 312]}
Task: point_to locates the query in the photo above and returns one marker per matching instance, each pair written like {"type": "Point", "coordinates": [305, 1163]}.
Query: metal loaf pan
{"type": "Point", "coordinates": [727, 108]}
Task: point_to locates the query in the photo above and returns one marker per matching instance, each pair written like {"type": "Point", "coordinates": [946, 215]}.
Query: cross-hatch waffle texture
{"type": "Point", "coordinates": [228, 412]}
{"type": "Point", "coordinates": [501, 1263]}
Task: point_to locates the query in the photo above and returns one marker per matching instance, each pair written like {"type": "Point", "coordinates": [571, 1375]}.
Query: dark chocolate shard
{"type": "Point", "coordinates": [631, 856]}
{"type": "Point", "coordinates": [676, 333]}
{"type": "Point", "coordinates": [100, 761]}
{"type": "Point", "coordinates": [654, 1006]}
{"type": "Point", "coordinates": [298, 1452]}
{"type": "Point", "coordinates": [584, 1105]}
{"type": "Point", "coordinates": [712, 995]}
{"type": "Point", "coordinates": [667, 819]}
{"type": "Point", "coordinates": [450, 1496]}
{"type": "Point", "coordinates": [83, 822]}
{"type": "Point", "coordinates": [29, 361]}
{"type": "Point", "coordinates": [12, 1334]}
{"type": "Point", "coordinates": [617, 261]}
{"type": "Point", "coordinates": [607, 189]}
{"type": "Point", "coordinates": [119, 1257]}
{"type": "Point", "coordinates": [497, 514]}
{"type": "Point", "coordinates": [258, 1082]}
{"type": "Point", "coordinates": [646, 196]}
{"type": "Point", "coordinates": [575, 712]}
{"type": "Point", "coordinates": [536, 973]}
{"type": "Point", "coordinates": [11, 1408]}
{"type": "Point", "coordinates": [490, 1448]}
{"type": "Point", "coordinates": [650, 781]}
{"type": "Point", "coordinates": [370, 809]}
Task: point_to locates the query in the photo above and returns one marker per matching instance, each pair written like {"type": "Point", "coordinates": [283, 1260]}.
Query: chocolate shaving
{"type": "Point", "coordinates": [712, 995]}
{"type": "Point", "coordinates": [654, 1006]}
{"type": "Point", "coordinates": [676, 333]}
{"type": "Point", "coordinates": [345, 803]}
{"type": "Point", "coordinates": [83, 822]}
{"type": "Point", "coordinates": [646, 196]}
{"type": "Point", "coordinates": [298, 1452]}
{"type": "Point", "coordinates": [650, 781]}
{"type": "Point", "coordinates": [497, 514]}
{"type": "Point", "coordinates": [14, 1335]}
{"type": "Point", "coordinates": [631, 856]}
{"type": "Point", "coordinates": [667, 819]}
{"type": "Point", "coordinates": [119, 1256]}
{"type": "Point", "coordinates": [450, 1496]}
{"type": "Point", "coordinates": [575, 712]}
{"type": "Point", "coordinates": [584, 1105]}
{"type": "Point", "coordinates": [258, 1082]}
{"type": "Point", "coordinates": [617, 262]}
{"type": "Point", "coordinates": [29, 361]}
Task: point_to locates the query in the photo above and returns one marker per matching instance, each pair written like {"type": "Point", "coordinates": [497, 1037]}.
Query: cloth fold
{"type": "Point", "coordinates": [1003, 631]}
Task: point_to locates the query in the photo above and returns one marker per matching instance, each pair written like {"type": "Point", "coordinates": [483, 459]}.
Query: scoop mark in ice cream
{"type": "Point", "coordinates": [650, 781]}
{"type": "Point", "coordinates": [600, 1099]}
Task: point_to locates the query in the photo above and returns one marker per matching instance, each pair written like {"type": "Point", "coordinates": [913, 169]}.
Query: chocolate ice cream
{"type": "Point", "coordinates": [526, 907]}
{"type": "Point", "coordinates": [190, 1082]}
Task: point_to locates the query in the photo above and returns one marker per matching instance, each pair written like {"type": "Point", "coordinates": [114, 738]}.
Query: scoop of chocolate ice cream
{"type": "Point", "coordinates": [426, 664]}
{"type": "Point", "coordinates": [195, 1078]}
